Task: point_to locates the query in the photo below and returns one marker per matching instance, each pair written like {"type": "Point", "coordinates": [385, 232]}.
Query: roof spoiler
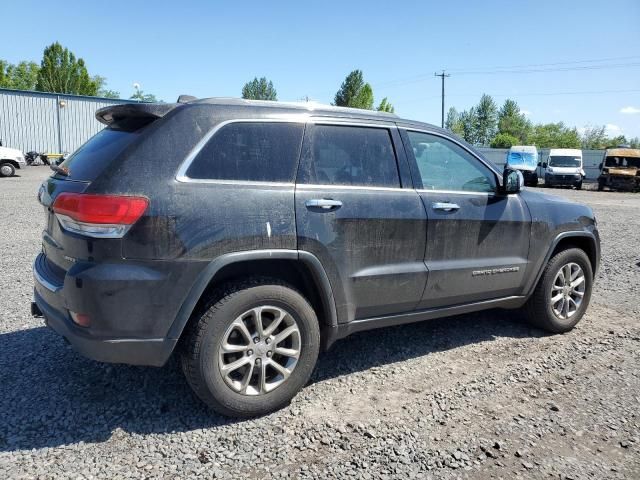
{"type": "Point", "coordinates": [133, 115]}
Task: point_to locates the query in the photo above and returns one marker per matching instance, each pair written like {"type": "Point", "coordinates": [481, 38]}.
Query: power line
{"type": "Point", "coordinates": [523, 69]}
{"type": "Point", "coordinates": [516, 95]}
{"type": "Point", "coordinates": [553, 69]}
{"type": "Point", "coordinates": [568, 62]}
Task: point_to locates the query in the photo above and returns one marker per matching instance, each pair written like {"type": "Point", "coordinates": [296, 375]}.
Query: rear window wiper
{"type": "Point", "coordinates": [60, 170]}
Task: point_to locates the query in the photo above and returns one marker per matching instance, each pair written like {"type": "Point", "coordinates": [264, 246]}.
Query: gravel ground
{"type": "Point", "coordinates": [475, 396]}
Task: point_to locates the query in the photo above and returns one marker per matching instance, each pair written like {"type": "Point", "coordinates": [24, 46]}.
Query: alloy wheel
{"type": "Point", "coordinates": [259, 350]}
{"type": "Point", "coordinates": [567, 291]}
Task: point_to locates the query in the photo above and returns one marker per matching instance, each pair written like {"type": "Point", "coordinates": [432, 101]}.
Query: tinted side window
{"type": "Point", "coordinates": [343, 155]}
{"type": "Point", "coordinates": [250, 151]}
{"type": "Point", "coordinates": [444, 165]}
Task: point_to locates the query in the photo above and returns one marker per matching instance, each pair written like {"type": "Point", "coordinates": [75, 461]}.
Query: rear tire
{"type": "Point", "coordinates": [545, 308]}
{"type": "Point", "coordinates": [600, 185]}
{"type": "Point", "coordinates": [579, 186]}
{"type": "Point", "coordinates": [269, 375]}
{"type": "Point", "coordinates": [7, 169]}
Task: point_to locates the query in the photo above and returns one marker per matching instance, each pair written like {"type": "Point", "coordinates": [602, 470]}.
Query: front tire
{"type": "Point", "coordinates": [252, 350]}
{"type": "Point", "coordinates": [7, 169]}
{"type": "Point", "coordinates": [563, 292]}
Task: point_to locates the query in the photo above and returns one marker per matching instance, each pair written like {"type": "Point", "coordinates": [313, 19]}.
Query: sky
{"type": "Point", "coordinates": [571, 61]}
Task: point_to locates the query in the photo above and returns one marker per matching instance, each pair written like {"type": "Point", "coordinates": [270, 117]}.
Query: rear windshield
{"type": "Point", "coordinates": [88, 161]}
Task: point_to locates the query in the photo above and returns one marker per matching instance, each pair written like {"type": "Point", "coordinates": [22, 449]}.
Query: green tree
{"type": "Point", "coordinates": [101, 82]}
{"type": "Point", "coordinates": [594, 138]}
{"type": "Point", "coordinates": [453, 123]}
{"type": "Point", "coordinates": [364, 99]}
{"type": "Point", "coordinates": [504, 140]}
{"type": "Point", "coordinates": [615, 141]}
{"type": "Point", "coordinates": [259, 89]}
{"type": "Point", "coordinates": [469, 125]}
{"type": "Point", "coordinates": [107, 93]}
{"type": "Point", "coordinates": [140, 96]}
{"type": "Point", "coordinates": [513, 123]}
{"type": "Point", "coordinates": [486, 120]}
{"type": "Point", "coordinates": [22, 76]}
{"type": "Point", "coordinates": [61, 72]}
{"type": "Point", "coordinates": [385, 106]}
{"type": "Point", "coordinates": [354, 92]}
{"type": "Point", "coordinates": [555, 135]}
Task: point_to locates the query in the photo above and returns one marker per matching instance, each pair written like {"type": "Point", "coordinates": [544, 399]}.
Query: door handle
{"type": "Point", "coordinates": [323, 203]}
{"type": "Point", "coordinates": [445, 206]}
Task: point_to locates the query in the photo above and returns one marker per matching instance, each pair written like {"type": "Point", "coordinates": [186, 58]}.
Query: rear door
{"type": "Point", "coordinates": [356, 216]}
{"type": "Point", "coordinates": [477, 238]}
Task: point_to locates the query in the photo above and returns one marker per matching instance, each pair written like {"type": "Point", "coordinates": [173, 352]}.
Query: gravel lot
{"type": "Point", "coordinates": [475, 396]}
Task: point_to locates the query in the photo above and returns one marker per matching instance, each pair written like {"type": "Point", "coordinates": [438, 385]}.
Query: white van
{"type": "Point", "coordinates": [564, 168]}
{"type": "Point", "coordinates": [525, 159]}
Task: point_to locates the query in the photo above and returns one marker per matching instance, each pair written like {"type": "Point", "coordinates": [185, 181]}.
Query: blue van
{"type": "Point", "coordinates": [525, 159]}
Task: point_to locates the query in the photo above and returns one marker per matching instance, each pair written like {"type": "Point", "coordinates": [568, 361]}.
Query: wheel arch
{"type": "Point", "coordinates": [12, 162]}
{"type": "Point", "coordinates": [301, 269]}
{"type": "Point", "coordinates": [583, 240]}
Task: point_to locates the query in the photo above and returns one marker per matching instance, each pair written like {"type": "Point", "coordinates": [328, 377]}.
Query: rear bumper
{"type": "Point", "coordinates": [152, 352]}
{"type": "Point", "coordinates": [126, 323]}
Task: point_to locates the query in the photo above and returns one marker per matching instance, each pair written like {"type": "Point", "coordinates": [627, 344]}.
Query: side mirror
{"type": "Point", "coordinates": [544, 164]}
{"type": "Point", "coordinates": [512, 181]}
{"type": "Point", "coordinates": [539, 164]}
{"type": "Point", "coordinates": [600, 166]}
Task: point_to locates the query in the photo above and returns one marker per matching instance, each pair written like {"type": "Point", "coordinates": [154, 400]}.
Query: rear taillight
{"type": "Point", "coordinates": [100, 216]}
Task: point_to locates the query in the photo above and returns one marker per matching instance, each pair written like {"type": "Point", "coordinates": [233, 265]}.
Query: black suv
{"type": "Point", "coordinates": [249, 235]}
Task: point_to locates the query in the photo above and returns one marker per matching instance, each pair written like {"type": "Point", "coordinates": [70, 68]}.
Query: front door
{"type": "Point", "coordinates": [354, 215]}
{"type": "Point", "coordinates": [477, 238]}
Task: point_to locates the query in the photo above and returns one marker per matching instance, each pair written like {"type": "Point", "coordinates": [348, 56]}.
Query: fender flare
{"type": "Point", "coordinates": [202, 282]}
{"type": "Point", "coordinates": [558, 238]}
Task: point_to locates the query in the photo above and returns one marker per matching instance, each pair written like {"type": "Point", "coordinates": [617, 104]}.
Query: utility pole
{"type": "Point", "coordinates": [442, 75]}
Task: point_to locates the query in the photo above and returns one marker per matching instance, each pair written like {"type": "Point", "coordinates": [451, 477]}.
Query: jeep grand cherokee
{"type": "Point", "coordinates": [248, 235]}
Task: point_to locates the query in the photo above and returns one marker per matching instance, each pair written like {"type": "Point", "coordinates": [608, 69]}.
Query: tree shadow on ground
{"type": "Point", "coordinates": [52, 396]}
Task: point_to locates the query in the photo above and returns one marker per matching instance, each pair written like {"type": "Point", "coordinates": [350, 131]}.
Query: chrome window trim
{"type": "Point", "coordinates": [318, 186]}
{"type": "Point", "coordinates": [456, 192]}
{"type": "Point", "coordinates": [466, 149]}
{"type": "Point", "coordinates": [181, 175]}
{"type": "Point", "coordinates": [238, 182]}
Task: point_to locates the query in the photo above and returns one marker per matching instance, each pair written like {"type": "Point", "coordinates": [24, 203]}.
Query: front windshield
{"type": "Point", "coordinates": [623, 162]}
{"type": "Point", "coordinates": [564, 161]}
{"type": "Point", "coordinates": [522, 159]}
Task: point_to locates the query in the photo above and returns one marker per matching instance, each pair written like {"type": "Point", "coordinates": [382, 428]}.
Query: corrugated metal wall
{"type": "Point", "coordinates": [48, 122]}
